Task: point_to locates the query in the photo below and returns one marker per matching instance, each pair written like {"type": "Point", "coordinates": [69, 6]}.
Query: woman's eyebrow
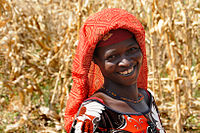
{"type": "Point", "coordinates": [132, 44]}
{"type": "Point", "coordinates": [109, 52]}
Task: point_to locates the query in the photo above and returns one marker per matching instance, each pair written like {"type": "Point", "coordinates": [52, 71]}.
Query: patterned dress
{"type": "Point", "coordinates": [96, 117]}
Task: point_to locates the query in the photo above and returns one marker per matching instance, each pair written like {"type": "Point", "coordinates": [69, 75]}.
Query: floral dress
{"type": "Point", "coordinates": [95, 117]}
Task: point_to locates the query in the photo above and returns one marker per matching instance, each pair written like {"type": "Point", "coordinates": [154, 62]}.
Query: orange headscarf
{"type": "Point", "coordinates": [87, 77]}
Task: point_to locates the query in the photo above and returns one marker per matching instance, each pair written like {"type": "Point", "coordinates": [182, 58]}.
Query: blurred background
{"type": "Point", "coordinates": [38, 39]}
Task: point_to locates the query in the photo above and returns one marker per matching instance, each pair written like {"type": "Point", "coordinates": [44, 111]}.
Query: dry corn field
{"type": "Point", "coordinates": [38, 39]}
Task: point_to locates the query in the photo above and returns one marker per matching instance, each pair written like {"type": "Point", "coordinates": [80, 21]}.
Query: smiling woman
{"type": "Point", "coordinates": [121, 61]}
{"type": "Point", "coordinates": [109, 92]}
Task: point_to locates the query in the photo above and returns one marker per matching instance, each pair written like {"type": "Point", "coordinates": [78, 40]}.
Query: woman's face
{"type": "Point", "coordinates": [120, 62]}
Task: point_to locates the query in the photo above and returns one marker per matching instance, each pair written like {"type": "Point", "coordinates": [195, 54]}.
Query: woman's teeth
{"type": "Point", "coordinates": [126, 72]}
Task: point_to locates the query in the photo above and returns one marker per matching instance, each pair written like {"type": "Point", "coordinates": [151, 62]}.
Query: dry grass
{"type": "Point", "coordinates": [37, 44]}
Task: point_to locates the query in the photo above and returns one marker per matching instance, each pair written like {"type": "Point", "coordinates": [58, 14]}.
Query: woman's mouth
{"type": "Point", "coordinates": [128, 72]}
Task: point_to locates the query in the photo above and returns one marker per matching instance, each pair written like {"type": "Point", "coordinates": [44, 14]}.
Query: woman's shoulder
{"type": "Point", "coordinates": [90, 109]}
{"type": "Point", "coordinates": [147, 95]}
{"type": "Point", "coordinates": [88, 116]}
{"type": "Point", "coordinates": [146, 92]}
{"type": "Point", "coordinates": [92, 105]}
{"type": "Point", "coordinates": [93, 99]}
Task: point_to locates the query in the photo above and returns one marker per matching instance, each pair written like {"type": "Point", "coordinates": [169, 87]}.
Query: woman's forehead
{"type": "Point", "coordinates": [120, 45]}
{"type": "Point", "coordinates": [115, 36]}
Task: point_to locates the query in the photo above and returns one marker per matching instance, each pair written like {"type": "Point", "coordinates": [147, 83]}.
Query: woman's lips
{"type": "Point", "coordinates": [128, 72]}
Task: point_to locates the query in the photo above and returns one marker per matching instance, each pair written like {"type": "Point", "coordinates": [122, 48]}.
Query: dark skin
{"type": "Point", "coordinates": [120, 64]}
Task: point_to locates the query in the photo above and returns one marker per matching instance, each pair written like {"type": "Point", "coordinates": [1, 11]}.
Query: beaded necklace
{"type": "Point", "coordinates": [114, 95]}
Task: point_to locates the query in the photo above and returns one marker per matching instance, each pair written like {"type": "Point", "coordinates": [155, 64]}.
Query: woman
{"type": "Point", "coordinates": [109, 92]}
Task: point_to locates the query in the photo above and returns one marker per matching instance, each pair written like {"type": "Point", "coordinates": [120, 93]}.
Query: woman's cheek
{"type": "Point", "coordinates": [141, 57]}
{"type": "Point", "coordinates": [138, 55]}
{"type": "Point", "coordinates": [109, 67]}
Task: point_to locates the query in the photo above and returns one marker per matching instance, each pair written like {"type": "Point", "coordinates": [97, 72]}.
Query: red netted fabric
{"type": "Point", "coordinates": [87, 77]}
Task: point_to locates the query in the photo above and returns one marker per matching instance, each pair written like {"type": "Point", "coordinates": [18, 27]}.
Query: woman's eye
{"type": "Point", "coordinates": [133, 49]}
{"type": "Point", "coordinates": [111, 57]}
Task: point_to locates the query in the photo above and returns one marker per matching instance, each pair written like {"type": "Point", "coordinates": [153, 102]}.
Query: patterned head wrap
{"type": "Point", "coordinates": [115, 36]}
{"type": "Point", "coordinates": [87, 77]}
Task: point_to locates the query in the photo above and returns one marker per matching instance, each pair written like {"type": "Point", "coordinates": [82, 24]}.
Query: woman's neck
{"type": "Point", "coordinates": [130, 92]}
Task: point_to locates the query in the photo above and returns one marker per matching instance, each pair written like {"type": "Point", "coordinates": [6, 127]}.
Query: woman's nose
{"type": "Point", "coordinates": [124, 62]}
